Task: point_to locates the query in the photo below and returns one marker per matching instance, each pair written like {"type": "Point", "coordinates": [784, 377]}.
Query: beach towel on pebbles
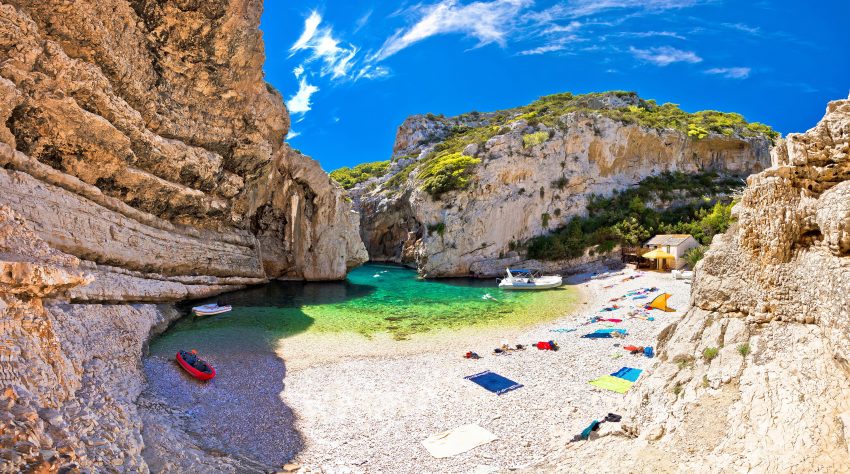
{"type": "Point", "coordinates": [628, 373]}
{"type": "Point", "coordinates": [457, 440]}
{"type": "Point", "coordinates": [614, 384]}
{"type": "Point", "coordinates": [494, 382]}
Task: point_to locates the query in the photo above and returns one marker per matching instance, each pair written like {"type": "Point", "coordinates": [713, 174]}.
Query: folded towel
{"type": "Point", "coordinates": [457, 440]}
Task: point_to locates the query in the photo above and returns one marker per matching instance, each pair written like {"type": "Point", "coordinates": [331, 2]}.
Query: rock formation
{"type": "Point", "coordinates": [521, 187]}
{"type": "Point", "coordinates": [151, 143]}
{"type": "Point", "coordinates": [141, 161]}
{"type": "Point", "coordinates": [755, 377]}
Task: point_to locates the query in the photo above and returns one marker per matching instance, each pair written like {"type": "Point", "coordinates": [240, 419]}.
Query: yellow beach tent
{"type": "Point", "coordinates": [660, 302]}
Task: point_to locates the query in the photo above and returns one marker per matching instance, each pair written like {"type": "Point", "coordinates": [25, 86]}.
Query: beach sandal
{"type": "Point", "coordinates": [611, 417]}
{"type": "Point", "coordinates": [471, 355]}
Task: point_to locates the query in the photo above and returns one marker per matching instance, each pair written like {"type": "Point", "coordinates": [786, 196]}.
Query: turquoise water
{"type": "Point", "coordinates": [241, 411]}
{"type": "Point", "coordinates": [374, 299]}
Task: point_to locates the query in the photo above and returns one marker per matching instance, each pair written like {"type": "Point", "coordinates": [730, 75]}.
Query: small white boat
{"type": "Point", "coordinates": [518, 279]}
{"type": "Point", "coordinates": [210, 309]}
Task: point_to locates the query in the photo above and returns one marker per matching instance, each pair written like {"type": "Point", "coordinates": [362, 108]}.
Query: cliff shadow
{"type": "Point", "coordinates": [239, 418]}
{"type": "Point", "coordinates": [240, 414]}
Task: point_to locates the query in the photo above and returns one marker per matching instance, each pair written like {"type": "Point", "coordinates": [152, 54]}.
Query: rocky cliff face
{"type": "Point", "coordinates": [771, 299]}
{"type": "Point", "coordinates": [530, 175]}
{"type": "Point", "coordinates": [141, 161]}
{"type": "Point", "coordinates": [141, 135]}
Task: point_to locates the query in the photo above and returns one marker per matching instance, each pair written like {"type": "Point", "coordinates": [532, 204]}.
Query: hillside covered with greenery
{"type": "Point", "coordinates": [444, 169]}
{"type": "Point", "coordinates": [350, 177]}
{"type": "Point", "coordinates": [628, 218]}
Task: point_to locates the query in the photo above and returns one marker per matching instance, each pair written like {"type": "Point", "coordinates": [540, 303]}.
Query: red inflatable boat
{"type": "Point", "coordinates": [195, 366]}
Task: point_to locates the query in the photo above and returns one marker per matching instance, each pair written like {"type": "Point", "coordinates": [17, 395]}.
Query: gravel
{"type": "Point", "coordinates": [365, 405]}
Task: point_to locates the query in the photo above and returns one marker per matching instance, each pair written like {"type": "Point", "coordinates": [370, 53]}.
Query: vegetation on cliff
{"type": "Point", "coordinates": [629, 108]}
{"type": "Point", "coordinates": [444, 169]}
{"type": "Point", "coordinates": [350, 177]}
{"type": "Point", "coordinates": [628, 217]}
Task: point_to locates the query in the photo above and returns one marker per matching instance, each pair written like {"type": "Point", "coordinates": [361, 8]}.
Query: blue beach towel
{"type": "Point", "coordinates": [598, 335]}
{"type": "Point", "coordinates": [494, 382]}
{"type": "Point", "coordinates": [610, 330]}
{"type": "Point", "coordinates": [628, 373]}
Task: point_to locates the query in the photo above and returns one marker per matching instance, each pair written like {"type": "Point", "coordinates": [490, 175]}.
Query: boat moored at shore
{"type": "Point", "coordinates": [520, 279]}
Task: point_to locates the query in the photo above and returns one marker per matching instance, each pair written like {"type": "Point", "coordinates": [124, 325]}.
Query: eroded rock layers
{"type": "Point", "coordinates": [755, 377]}
{"type": "Point", "coordinates": [141, 161]}
{"type": "Point", "coordinates": [531, 177]}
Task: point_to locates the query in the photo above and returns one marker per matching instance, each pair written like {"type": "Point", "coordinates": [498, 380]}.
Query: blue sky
{"type": "Point", "coordinates": [351, 70]}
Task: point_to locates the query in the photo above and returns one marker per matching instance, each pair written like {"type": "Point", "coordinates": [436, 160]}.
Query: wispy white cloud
{"type": "Point", "coordinates": [584, 8]}
{"type": "Point", "coordinates": [665, 55]}
{"type": "Point", "coordinates": [300, 102]}
{"type": "Point", "coordinates": [335, 58]}
{"type": "Point", "coordinates": [488, 22]}
{"type": "Point", "coordinates": [311, 24]}
{"type": "Point", "coordinates": [292, 134]}
{"type": "Point", "coordinates": [362, 21]}
{"type": "Point", "coordinates": [298, 71]}
{"type": "Point", "coordinates": [372, 71]}
{"type": "Point", "coordinates": [753, 30]}
{"type": "Point", "coordinates": [546, 48]}
{"type": "Point", "coordinates": [651, 34]}
{"type": "Point", "coordinates": [730, 72]}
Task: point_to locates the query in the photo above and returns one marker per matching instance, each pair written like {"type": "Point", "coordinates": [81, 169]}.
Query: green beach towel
{"type": "Point", "coordinates": [614, 384]}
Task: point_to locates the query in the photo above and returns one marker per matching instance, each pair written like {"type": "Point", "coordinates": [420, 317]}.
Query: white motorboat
{"type": "Point", "coordinates": [519, 279]}
{"type": "Point", "coordinates": [210, 309]}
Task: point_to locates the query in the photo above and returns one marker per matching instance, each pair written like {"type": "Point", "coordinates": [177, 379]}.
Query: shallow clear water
{"type": "Point", "coordinates": [375, 298]}
{"type": "Point", "coordinates": [241, 346]}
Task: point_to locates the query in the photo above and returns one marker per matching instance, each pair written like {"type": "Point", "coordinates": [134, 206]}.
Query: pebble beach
{"type": "Point", "coordinates": [367, 405]}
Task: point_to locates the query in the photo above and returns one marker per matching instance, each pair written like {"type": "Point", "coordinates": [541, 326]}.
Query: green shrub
{"type": "Point", "coordinates": [744, 349]}
{"type": "Point", "coordinates": [549, 109]}
{"type": "Point", "coordinates": [694, 255]}
{"type": "Point", "coordinates": [349, 177]}
{"type": "Point", "coordinates": [446, 173]}
{"type": "Point", "coordinates": [534, 139]}
{"type": "Point", "coordinates": [439, 228]}
{"type": "Point", "coordinates": [709, 353]}
{"type": "Point", "coordinates": [625, 219]}
{"type": "Point", "coordinates": [545, 219]}
{"type": "Point", "coordinates": [560, 183]}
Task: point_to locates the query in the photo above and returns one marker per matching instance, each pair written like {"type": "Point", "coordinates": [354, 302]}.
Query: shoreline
{"type": "Point", "coordinates": [367, 405]}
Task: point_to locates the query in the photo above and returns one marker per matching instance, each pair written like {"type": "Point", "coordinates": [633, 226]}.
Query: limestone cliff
{"type": "Point", "coordinates": [755, 377]}
{"type": "Point", "coordinates": [142, 136]}
{"type": "Point", "coordinates": [141, 161]}
{"type": "Point", "coordinates": [461, 192]}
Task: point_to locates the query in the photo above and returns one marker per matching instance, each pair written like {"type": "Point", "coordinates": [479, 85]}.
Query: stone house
{"type": "Point", "coordinates": [674, 244]}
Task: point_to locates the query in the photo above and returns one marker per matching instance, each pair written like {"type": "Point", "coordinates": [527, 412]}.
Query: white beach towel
{"type": "Point", "coordinates": [457, 440]}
